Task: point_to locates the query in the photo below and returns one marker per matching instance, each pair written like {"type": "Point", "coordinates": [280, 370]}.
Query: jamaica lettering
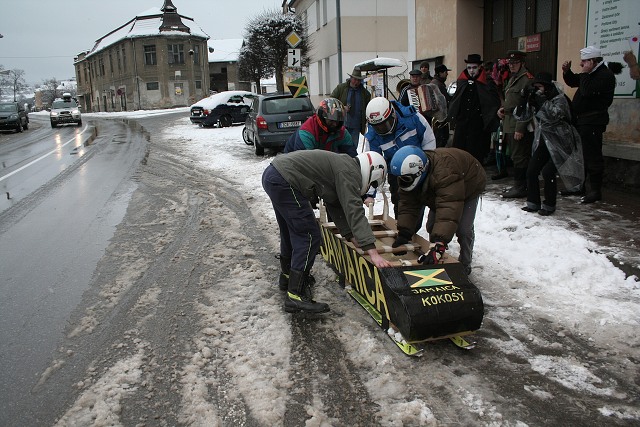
{"type": "Point", "coordinates": [356, 270]}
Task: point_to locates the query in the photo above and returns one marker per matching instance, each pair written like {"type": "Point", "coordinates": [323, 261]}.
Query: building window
{"type": "Point", "coordinates": [196, 55]}
{"type": "Point", "coordinates": [519, 18]}
{"type": "Point", "coordinates": [153, 86]}
{"type": "Point", "coordinates": [111, 62]}
{"type": "Point", "coordinates": [198, 84]}
{"type": "Point", "coordinates": [101, 65]}
{"type": "Point", "coordinates": [176, 53]}
{"type": "Point", "coordinates": [497, 21]}
{"type": "Point", "coordinates": [124, 60]}
{"type": "Point", "coordinates": [543, 15]}
{"type": "Point", "coordinates": [150, 55]}
{"type": "Point", "coordinates": [118, 59]}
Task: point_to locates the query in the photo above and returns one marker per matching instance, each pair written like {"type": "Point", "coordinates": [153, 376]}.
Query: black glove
{"type": "Point", "coordinates": [402, 239]}
{"type": "Point", "coordinates": [434, 255]}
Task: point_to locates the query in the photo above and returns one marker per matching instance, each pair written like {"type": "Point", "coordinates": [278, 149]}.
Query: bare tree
{"type": "Point", "coordinates": [49, 91]}
{"type": "Point", "coordinates": [17, 82]}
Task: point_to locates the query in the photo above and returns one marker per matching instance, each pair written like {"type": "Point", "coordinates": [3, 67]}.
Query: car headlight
{"type": "Point", "coordinates": [54, 114]}
{"type": "Point", "coordinates": [75, 112]}
{"type": "Point", "coordinates": [13, 117]}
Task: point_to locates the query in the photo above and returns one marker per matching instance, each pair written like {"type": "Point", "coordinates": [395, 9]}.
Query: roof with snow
{"type": "Point", "coordinates": [226, 50]}
{"type": "Point", "coordinates": [150, 23]}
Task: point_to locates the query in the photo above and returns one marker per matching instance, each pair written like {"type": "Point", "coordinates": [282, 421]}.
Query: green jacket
{"type": "Point", "coordinates": [453, 177]}
{"type": "Point", "coordinates": [512, 98]}
{"type": "Point", "coordinates": [337, 180]}
{"type": "Point", "coordinates": [341, 91]}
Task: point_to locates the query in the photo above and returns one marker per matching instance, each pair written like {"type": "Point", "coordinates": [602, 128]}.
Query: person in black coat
{"type": "Point", "coordinates": [596, 85]}
{"type": "Point", "coordinates": [473, 109]}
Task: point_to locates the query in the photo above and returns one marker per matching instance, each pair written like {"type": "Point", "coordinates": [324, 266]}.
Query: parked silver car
{"type": "Point", "coordinates": [273, 119]}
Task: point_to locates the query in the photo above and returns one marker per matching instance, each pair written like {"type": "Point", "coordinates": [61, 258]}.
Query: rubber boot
{"type": "Point", "coordinates": [285, 267]}
{"type": "Point", "coordinates": [298, 299]}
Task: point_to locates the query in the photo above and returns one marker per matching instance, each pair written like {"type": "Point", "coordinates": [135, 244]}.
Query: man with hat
{"type": "Point", "coordinates": [596, 85]}
{"type": "Point", "coordinates": [441, 130]}
{"type": "Point", "coordinates": [415, 80]}
{"type": "Point", "coordinates": [518, 135]}
{"type": "Point", "coordinates": [473, 109]}
{"type": "Point", "coordinates": [355, 97]}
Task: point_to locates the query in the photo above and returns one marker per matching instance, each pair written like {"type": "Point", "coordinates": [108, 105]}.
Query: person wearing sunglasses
{"type": "Point", "coordinates": [449, 182]}
{"type": "Point", "coordinates": [518, 135]}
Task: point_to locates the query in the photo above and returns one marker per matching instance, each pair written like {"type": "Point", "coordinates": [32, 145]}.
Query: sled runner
{"type": "Point", "coordinates": [413, 303]}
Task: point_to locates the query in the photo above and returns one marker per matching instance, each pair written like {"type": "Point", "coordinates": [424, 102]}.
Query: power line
{"type": "Point", "coordinates": [34, 57]}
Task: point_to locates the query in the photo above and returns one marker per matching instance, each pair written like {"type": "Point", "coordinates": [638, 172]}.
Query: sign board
{"type": "Point", "coordinates": [530, 43]}
{"type": "Point", "coordinates": [294, 57]}
{"type": "Point", "coordinates": [293, 39]}
{"type": "Point", "coordinates": [612, 25]}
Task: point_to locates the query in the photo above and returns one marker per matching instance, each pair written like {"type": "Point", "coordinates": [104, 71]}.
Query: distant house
{"type": "Point", "coordinates": [223, 65]}
{"type": "Point", "coordinates": [156, 60]}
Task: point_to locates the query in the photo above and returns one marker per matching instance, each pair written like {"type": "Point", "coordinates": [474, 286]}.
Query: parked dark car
{"type": "Point", "coordinates": [273, 118]}
{"type": "Point", "coordinates": [222, 109]}
{"type": "Point", "coordinates": [13, 116]}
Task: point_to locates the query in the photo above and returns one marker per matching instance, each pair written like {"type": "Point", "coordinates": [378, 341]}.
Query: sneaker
{"type": "Point", "coordinates": [515, 192]}
{"type": "Point", "coordinates": [545, 212]}
{"type": "Point", "coordinates": [528, 209]}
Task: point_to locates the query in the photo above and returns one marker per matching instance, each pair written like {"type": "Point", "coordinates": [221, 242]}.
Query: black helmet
{"type": "Point", "coordinates": [330, 109]}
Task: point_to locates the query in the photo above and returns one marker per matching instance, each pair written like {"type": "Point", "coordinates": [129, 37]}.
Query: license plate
{"type": "Point", "coordinates": [283, 125]}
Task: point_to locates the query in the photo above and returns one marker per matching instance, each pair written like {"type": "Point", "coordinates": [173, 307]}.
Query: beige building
{"type": "Point", "coordinates": [345, 32]}
{"type": "Point", "coordinates": [156, 60]}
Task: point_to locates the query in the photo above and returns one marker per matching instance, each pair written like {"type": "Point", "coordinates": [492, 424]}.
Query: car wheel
{"type": "Point", "coordinates": [259, 149]}
{"type": "Point", "coordinates": [245, 136]}
{"type": "Point", "coordinates": [53, 125]}
{"type": "Point", "coordinates": [226, 121]}
{"type": "Point", "coordinates": [79, 123]}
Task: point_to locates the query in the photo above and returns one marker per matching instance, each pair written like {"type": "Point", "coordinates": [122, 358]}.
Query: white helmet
{"type": "Point", "coordinates": [381, 115]}
{"type": "Point", "coordinates": [373, 168]}
{"type": "Point", "coordinates": [410, 165]}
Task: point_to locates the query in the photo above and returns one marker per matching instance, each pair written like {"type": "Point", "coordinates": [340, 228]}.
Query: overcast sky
{"type": "Point", "coordinates": [42, 37]}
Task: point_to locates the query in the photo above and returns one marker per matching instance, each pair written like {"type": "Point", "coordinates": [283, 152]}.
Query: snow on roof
{"type": "Point", "coordinates": [146, 24]}
{"type": "Point", "coordinates": [379, 64]}
{"type": "Point", "coordinates": [225, 50]}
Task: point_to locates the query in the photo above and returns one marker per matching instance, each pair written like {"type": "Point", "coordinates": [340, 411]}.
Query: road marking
{"type": "Point", "coordinates": [44, 155]}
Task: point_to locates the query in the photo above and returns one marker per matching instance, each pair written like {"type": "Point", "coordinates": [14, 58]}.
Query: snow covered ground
{"type": "Point", "coordinates": [539, 267]}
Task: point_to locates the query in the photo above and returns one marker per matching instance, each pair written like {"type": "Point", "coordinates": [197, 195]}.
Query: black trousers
{"type": "Point", "coordinates": [541, 162]}
{"type": "Point", "coordinates": [591, 136]}
{"type": "Point", "coordinates": [300, 236]}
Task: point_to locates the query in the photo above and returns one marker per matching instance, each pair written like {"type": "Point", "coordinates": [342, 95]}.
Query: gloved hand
{"type": "Point", "coordinates": [434, 255]}
{"type": "Point", "coordinates": [402, 239]}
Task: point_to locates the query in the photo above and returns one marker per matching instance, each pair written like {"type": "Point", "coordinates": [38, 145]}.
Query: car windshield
{"type": "Point", "coordinates": [286, 105]}
{"type": "Point", "coordinates": [64, 104]}
{"type": "Point", "coordinates": [8, 107]}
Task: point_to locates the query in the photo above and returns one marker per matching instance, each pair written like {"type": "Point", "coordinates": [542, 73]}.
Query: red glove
{"type": "Point", "coordinates": [434, 255]}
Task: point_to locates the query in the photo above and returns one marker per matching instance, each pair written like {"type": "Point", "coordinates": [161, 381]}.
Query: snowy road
{"type": "Point", "coordinates": [183, 324]}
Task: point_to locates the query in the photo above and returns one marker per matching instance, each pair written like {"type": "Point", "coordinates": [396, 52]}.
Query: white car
{"type": "Point", "coordinates": [65, 110]}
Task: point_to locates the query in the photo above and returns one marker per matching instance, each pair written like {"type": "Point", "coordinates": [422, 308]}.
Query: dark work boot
{"type": "Point", "coordinates": [594, 194]}
{"type": "Point", "coordinates": [285, 267]}
{"type": "Point", "coordinates": [591, 197]}
{"type": "Point", "coordinates": [517, 191]}
{"type": "Point", "coordinates": [500, 175]}
{"type": "Point", "coordinates": [298, 299]}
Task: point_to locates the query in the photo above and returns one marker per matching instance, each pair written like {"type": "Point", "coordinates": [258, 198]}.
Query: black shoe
{"type": "Point", "coordinates": [592, 197]}
{"type": "Point", "coordinates": [515, 192]}
{"type": "Point", "coordinates": [528, 209]}
{"type": "Point", "coordinates": [299, 296]}
{"type": "Point", "coordinates": [572, 192]}
{"type": "Point", "coordinates": [545, 212]}
{"type": "Point", "coordinates": [500, 175]}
